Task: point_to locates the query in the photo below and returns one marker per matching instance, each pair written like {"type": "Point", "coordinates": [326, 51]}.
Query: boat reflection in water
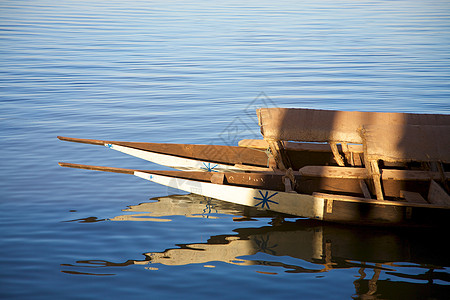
{"type": "Point", "coordinates": [385, 261]}
{"type": "Point", "coordinates": [192, 206]}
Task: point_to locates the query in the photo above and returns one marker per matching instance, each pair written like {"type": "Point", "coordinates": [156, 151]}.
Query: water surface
{"type": "Point", "coordinates": [171, 71]}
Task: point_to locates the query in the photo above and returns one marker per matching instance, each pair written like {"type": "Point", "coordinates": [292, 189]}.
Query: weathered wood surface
{"type": "Point", "coordinates": [97, 168]}
{"type": "Point", "coordinates": [361, 173]}
{"type": "Point", "coordinates": [345, 198]}
{"type": "Point", "coordinates": [423, 143]}
{"type": "Point", "coordinates": [212, 153]}
{"type": "Point", "coordinates": [253, 168]}
{"type": "Point", "coordinates": [303, 154]}
{"type": "Point", "coordinates": [323, 206]}
{"type": "Point", "coordinates": [354, 210]}
{"type": "Point", "coordinates": [280, 156]}
{"type": "Point", "coordinates": [311, 125]}
{"type": "Point", "coordinates": [246, 159]}
{"type": "Point", "coordinates": [352, 187]}
{"type": "Point", "coordinates": [437, 195]}
{"type": "Point", "coordinates": [330, 179]}
{"type": "Point", "coordinates": [403, 143]}
{"type": "Point", "coordinates": [298, 146]}
{"type": "Point", "coordinates": [262, 180]}
{"type": "Point", "coordinates": [412, 197]}
{"type": "Point", "coordinates": [337, 156]}
{"type": "Point", "coordinates": [391, 137]}
{"type": "Point", "coordinates": [309, 171]}
{"type": "Point", "coordinates": [365, 189]}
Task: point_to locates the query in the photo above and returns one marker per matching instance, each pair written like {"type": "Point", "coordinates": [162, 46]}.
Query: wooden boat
{"type": "Point", "coordinates": [354, 167]}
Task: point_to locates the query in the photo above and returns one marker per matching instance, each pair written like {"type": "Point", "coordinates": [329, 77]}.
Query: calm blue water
{"type": "Point", "coordinates": [171, 71]}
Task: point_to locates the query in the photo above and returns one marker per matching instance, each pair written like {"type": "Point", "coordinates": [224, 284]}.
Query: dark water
{"type": "Point", "coordinates": [171, 71]}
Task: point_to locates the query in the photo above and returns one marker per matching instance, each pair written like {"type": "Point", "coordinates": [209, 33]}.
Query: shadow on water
{"type": "Point", "coordinates": [384, 261]}
{"type": "Point", "coordinates": [87, 220]}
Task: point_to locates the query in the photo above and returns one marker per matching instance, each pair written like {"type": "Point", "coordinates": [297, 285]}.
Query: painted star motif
{"type": "Point", "coordinates": [208, 168]}
{"type": "Point", "coordinates": [210, 207]}
{"type": "Point", "coordinates": [265, 199]}
{"type": "Point", "coordinates": [263, 245]}
{"type": "Point", "coordinates": [109, 145]}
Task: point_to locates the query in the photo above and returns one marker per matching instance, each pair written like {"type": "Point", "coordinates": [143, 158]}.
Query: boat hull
{"type": "Point", "coordinates": [289, 203]}
{"type": "Point", "coordinates": [208, 158]}
{"type": "Point", "coordinates": [319, 206]}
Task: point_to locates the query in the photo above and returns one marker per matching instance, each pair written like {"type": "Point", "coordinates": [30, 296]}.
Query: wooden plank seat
{"type": "Point", "coordinates": [361, 173]}
{"type": "Point", "coordinates": [312, 125]}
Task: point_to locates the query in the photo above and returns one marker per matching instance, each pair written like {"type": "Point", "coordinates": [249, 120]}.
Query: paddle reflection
{"type": "Point", "coordinates": [383, 259]}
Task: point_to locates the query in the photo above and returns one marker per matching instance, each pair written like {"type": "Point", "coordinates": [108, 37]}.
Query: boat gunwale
{"type": "Point", "coordinates": [133, 145]}
{"type": "Point", "coordinates": [343, 198]}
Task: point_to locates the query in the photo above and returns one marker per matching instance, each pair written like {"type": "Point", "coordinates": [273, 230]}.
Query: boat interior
{"type": "Point", "coordinates": [383, 156]}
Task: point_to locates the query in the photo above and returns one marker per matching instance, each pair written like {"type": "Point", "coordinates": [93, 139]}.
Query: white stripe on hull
{"type": "Point", "coordinates": [175, 161]}
{"type": "Point", "coordinates": [289, 203]}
